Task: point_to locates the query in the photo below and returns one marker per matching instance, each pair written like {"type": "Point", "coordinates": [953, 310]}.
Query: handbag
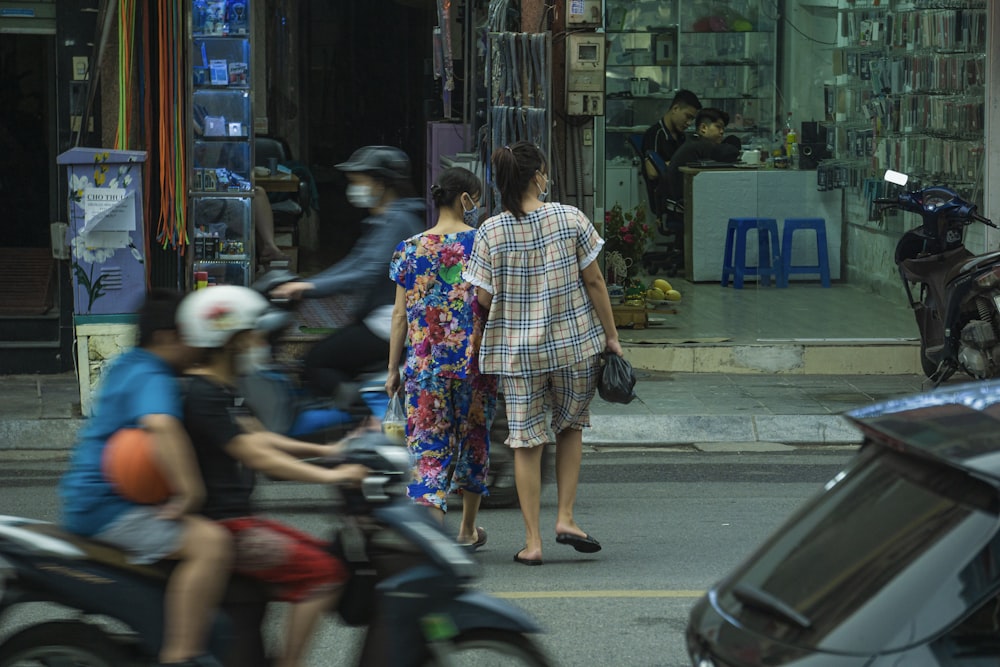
{"type": "Point", "coordinates": [616, 383]}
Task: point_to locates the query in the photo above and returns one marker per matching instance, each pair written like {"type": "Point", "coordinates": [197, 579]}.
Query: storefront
{"type": "Point", "coordinates": [319, 82]}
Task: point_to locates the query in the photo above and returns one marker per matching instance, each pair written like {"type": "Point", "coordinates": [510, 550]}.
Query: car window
{"type": "Point", "coordinates": [890, 533]}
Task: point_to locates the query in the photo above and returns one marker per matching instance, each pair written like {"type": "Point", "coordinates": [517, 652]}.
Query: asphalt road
{"type": "Point", "coordinates": [671, 523]}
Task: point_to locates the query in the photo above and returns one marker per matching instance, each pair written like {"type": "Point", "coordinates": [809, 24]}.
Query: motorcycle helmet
{"type": "Point", "coordinates": [208, 318]}
{"type": "Point", "coordinates": [386, 162]}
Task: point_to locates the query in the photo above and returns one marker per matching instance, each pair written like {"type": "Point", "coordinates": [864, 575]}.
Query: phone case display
{"type": "Point", "coordinates": [909, 94]}
{"type": "Point", "coordinates": [220, 143]}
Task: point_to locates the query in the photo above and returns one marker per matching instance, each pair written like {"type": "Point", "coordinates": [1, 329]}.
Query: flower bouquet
{"type": "Point", "coordinates": [626, 236]}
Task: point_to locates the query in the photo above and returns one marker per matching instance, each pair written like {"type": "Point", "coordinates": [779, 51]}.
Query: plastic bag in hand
{"type": "Point", "coordinates": [394, 421]}
{"type": "Point", "coordinates": [617, 380]}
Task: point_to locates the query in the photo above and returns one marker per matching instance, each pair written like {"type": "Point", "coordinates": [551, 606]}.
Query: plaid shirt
{"type": "Point", "coordinates": [542, 318]}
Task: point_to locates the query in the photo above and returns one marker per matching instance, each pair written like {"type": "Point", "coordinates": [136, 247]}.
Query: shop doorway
{"type": "Point", "coordinates": [28, 180]}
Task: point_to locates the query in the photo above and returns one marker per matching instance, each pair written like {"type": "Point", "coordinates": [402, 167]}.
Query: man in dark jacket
{"type": "Point", "coordinates": [707, 143]}
{"type": "Point", "coordinates": [664, 138]}
{"type": "Point", "coordinates": [379, 180]}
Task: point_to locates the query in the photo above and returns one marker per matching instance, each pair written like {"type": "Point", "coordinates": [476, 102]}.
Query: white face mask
{"type": "Point", "coordinates": [470, 216]}
{"type": "Point", "coordinates": [361, 196]}
{"type": "Point", "coordinates": [253, 360]}
{"type": "Point", "coordinates": [542, 194]}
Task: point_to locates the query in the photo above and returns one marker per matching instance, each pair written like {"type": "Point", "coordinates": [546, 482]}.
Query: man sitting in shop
{"type": "Point", "coordinates": [664, 138]}
{"type": "Point", "coordinates": [709, 142]}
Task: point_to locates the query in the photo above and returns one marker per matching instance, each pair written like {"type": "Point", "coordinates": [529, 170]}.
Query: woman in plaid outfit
{"type": "Point", "coordinates": [534, 266]}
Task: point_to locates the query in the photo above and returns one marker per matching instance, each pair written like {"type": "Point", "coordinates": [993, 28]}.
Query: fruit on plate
{"type": "Point", "coordinates": [673, 295]}
{"type": "Point", "coordinates": [662, 285]}
{"type": "Point", "coordinates": [635, 301]}
{"type": "Point", "coordinates": [656, 294]}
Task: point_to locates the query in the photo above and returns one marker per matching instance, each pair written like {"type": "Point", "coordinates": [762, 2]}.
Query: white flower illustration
{"type": "Point", "coordinates": [90, 255]}
{"type": "Point", "coordinates": [77, 184]}
{"type": "Point", "coordinates": [123, 179]}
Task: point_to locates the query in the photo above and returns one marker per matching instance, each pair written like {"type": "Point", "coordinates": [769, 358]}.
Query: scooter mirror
{"type": "Point", "coordinates": [896, 177]}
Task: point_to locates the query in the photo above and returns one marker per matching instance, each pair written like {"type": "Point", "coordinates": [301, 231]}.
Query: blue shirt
{"type": "Point", "coordinates": [137, 384]}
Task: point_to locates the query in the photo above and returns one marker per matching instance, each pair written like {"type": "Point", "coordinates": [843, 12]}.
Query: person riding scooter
{"type": "Point", "coordinates": [379, 178]}
{"type": "Point", "coordinates": [229, 325]}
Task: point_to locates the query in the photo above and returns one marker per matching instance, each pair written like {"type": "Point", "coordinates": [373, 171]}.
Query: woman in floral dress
{"type": "Point", "coordinates": [449, 404]}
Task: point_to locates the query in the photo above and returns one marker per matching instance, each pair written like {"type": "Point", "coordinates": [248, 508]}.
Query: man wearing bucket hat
{"type": "Point", "coordinates": [378, 181]}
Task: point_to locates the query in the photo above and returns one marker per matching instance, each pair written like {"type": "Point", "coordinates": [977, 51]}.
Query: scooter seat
{"type": "Point", "coordinates": [99, 552]}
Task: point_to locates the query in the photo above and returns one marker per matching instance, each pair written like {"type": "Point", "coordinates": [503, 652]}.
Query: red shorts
{"type": "Point", "coordinates": [298, 564]}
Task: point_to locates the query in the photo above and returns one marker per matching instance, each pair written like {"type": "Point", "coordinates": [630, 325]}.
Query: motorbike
{"type": "Point", "coordinates": [410, 586]}
{"type": "Point", "coordinates": [893, 562]}
{"type": "Point", "coordinates": [280, 400]}
{"type": "Point", "coordinates": [955, 295]}
{"type": "Point", "coordinates": [284, 406]}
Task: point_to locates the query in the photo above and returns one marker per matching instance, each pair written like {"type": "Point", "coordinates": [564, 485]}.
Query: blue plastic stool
{"type": "Point", "coordinates": [768, 254]}
{"type": "Point", "coordinates": [822, 267]}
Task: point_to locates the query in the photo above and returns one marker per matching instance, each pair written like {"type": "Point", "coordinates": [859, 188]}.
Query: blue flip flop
{"type": "Point", "coordinates": [585, 544]}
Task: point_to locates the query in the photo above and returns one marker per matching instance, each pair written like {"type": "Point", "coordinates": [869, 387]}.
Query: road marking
{"type": "Point", "coordinates": [554, 595]}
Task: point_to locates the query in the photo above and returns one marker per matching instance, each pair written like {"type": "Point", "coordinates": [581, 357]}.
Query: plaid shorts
{"type": "Point", "coordinates": [566, 391]}
{"type": "Point", "coordinates": [298, 564]}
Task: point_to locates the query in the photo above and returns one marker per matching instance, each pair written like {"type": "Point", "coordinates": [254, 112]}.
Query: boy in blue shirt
{"type": "Point", "coordinates": [141, 390]}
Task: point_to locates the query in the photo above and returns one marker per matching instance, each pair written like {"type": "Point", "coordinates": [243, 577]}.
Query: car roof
{"type": "Point", "coordinates": [959, 426]}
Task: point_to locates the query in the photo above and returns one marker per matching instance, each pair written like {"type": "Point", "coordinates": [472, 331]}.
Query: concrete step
{"type": "Point", "coordinates": [798, 357]}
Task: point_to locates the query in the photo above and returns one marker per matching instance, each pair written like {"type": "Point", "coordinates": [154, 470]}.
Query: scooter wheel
{"type": "Point", "coordinates": [493, 647]}
{"type": "Point", "coordinates": [62, 642]}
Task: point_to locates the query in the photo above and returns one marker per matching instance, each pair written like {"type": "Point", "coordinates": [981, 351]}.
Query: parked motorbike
{"type": "Point", "coordinates": [954, 294]}
{"type": "Point", "coordinates": [894, 562]}
{"type": "Point", "coordinates": [410, 586]}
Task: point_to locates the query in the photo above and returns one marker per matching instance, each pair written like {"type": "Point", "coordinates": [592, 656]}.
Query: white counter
{"type": "Point", "coordinates": [713, 196]}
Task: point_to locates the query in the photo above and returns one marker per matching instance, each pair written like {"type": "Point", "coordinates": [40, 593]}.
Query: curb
{"type": "Point", "coordinates": [605, 430]}
{"type": "Point", "coordinates": [691, 429]}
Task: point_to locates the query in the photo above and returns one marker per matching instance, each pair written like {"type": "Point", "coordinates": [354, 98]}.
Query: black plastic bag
{"type": "Point", "coordinates": [617, 380]}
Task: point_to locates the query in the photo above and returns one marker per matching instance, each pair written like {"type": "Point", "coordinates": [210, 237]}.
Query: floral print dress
{"type": "Point", "coordinates": [449, 404]}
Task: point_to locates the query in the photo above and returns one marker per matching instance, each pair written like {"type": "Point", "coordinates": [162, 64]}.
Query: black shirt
{"type": "Point", "coordinates": [210, 417]}
{"type": "Point", "coordinates": [659, 140]}
{"type": "Point", "coordinates": [696, 149]}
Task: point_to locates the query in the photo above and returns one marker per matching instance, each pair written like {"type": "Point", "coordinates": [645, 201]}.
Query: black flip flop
{"type": "Point", "coordinates": [526, 561]}
{"type": "Point", "coordinates": [585, 544]}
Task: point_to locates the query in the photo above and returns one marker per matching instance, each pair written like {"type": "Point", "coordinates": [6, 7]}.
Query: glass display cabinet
{"type": "Point", "coordinates": [723, 52]}
{"type": "Point", "coordinates": [220, 144]}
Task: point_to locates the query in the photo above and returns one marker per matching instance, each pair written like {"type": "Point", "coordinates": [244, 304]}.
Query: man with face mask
{"type": "Point", "coordinates": [379, 181]}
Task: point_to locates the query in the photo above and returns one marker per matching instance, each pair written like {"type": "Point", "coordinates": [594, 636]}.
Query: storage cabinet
{"type": "Point", "coordinates": [220, 144]}
{"type": "Point", "coordinates": [723, 52]}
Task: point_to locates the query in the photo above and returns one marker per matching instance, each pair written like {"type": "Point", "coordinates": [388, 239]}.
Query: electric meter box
{"type": "Point", "coordinates": [106, 234]}
{"type": "Point", "coordinates": [585, 74]}
{"type": "Point", "coordinates": [583, 12]}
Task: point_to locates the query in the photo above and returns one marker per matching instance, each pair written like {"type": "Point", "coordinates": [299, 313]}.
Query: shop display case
{"type": "Point", "coordinates": [220, 144]}
{"type": "Point", "coordinates": [909, 95]}
{"type": "Point", "coordinates": [725, 54]}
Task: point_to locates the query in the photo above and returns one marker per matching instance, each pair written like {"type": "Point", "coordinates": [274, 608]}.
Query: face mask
{"type": "Point", "coordinates": [361, 196]}
{"type": "Point", "coordinates": [542, 194]}
{"type": "Point", "coordinates": [253, 360]}
{"type": "Point", "coordinates": [471, 216]}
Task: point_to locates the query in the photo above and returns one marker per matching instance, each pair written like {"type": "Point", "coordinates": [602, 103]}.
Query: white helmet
{"type": "Point", "coordinates": [209, 317]}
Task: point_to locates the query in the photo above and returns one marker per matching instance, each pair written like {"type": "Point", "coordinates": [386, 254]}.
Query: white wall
{"type": "Point", "coordinates": [806, 57]}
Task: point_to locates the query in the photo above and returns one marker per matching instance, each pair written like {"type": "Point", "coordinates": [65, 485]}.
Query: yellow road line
{"type": "Point", "coordinates": [554, 595]}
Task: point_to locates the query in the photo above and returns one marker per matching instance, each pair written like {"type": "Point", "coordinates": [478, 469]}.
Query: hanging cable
{"type": "Point", "coordinates": [172, 224]}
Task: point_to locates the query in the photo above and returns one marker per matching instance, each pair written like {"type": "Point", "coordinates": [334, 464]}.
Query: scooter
{"type": "Point", "coordinates": [283, 405]}
{"type": "Point", "coordinates": [954, 294]}
{"type": "Point", "coordinates": [410, 586]}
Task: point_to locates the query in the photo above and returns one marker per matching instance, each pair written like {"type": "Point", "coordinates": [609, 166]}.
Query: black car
{"type": "Point", "coordinates": [896, 561]}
